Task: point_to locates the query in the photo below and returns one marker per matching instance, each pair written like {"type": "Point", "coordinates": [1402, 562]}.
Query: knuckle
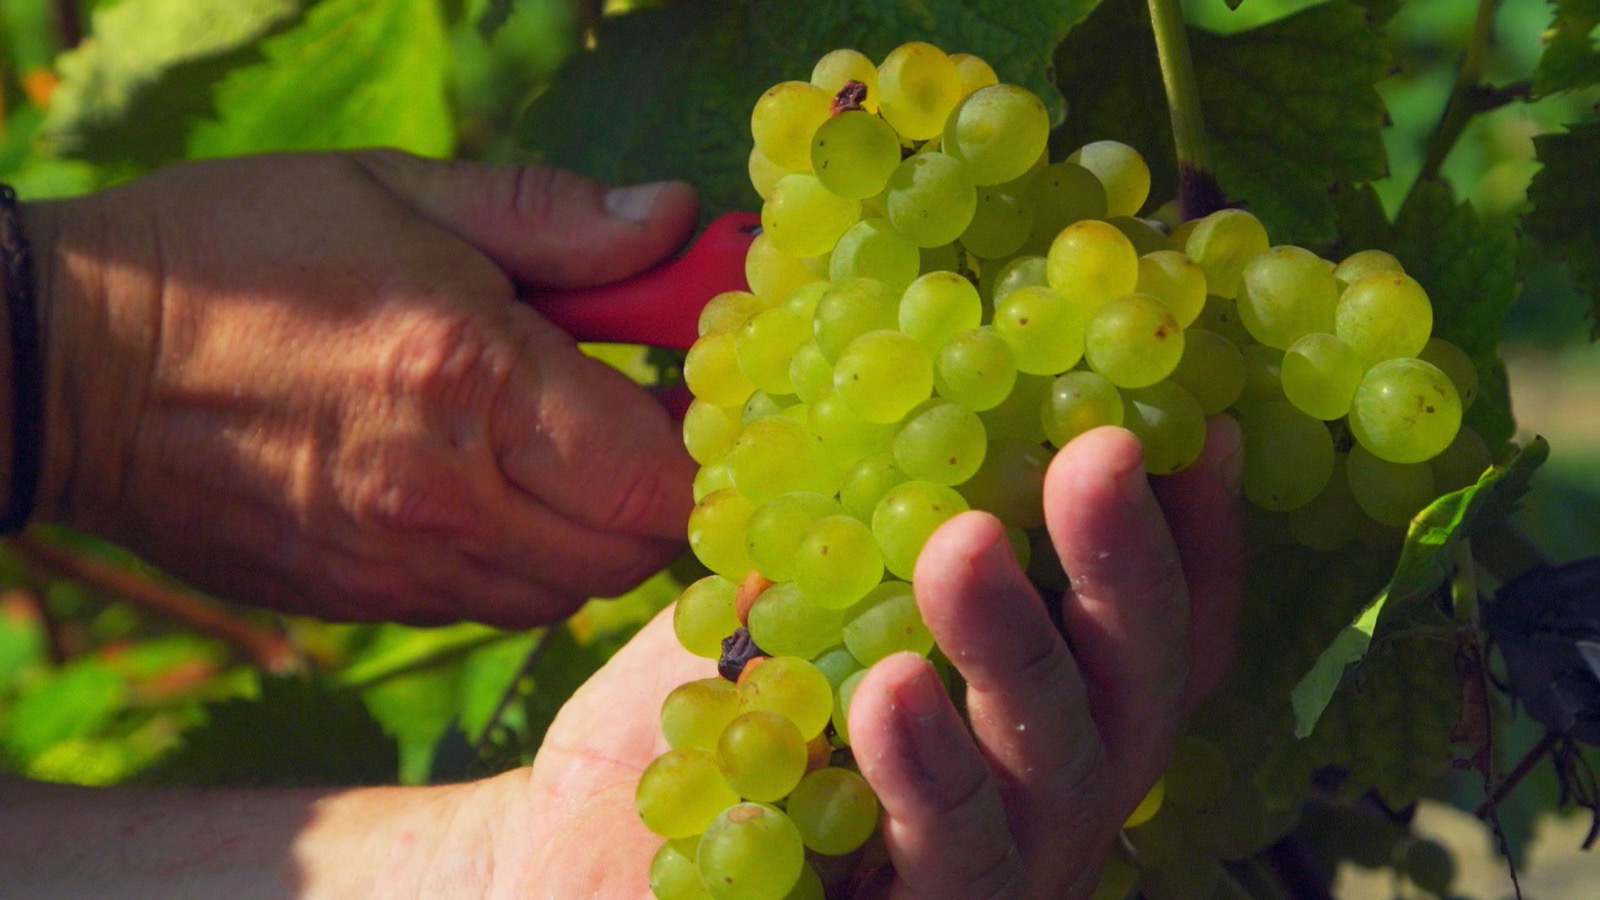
{"type": "Point", "coordinates": [451, 360]}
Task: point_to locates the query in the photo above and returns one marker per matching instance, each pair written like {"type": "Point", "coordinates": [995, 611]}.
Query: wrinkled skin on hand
{"type": "Point", "coordinates": [1061, 744]}
{"type": "Point", "coordinates": [305, 382]}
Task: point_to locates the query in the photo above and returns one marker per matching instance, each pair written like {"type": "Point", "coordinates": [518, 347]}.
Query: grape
{"type": "Point", "coordinates": [1063, 193]}
{"type": "Point", "coordinates": [1288, 456]}
{"type": "Point", "coordinates": [1222, 243]}
{"type": "Point", "coordinates": [836, 664]}
{"type": "Point", "coordinates": [998, 131]}
{"type": "Point", "coordinates": [1176, 280]}
{"type": "Point", "coordinates": [802, 301]}
{"type": "Point", "coordinates": [774, 532]}
{"type": "Point", "coordinates": [1169, 423]}
{"type": "Point", "coordinates": [975, 368]}
{"type": "Point", "coordinates": [709, 430]}
{"type": "Point", "coordinates": [713, 476]}
{"type": "Point", "coordinates": [919, 86]}
{"type": "Point", "coordinates": [1078, 402]}
{"type": "Point", "coordinates": [886, 621]}
{"type": "Point", "coordinates": [705, 615]}
{"type": "Point", "coordinates": [785, 622]}
{"type": "Point", "coordinates": [1092, 262]}
{"type": "Point", "coordinates": [1197, 774]}
{"type": "Point", "coordinates": [975, 72]}
{"type": "Point", "coordinates": [711, 370]}
{"type": "Point", "coordinates": [853, 154]}
{"type": "Point", "coordinates": [906, 516]}
{"type": "Point", "coordinates": [841, 705]}
{"type": "Point", "coordinates": [941, 442]}
{"type": "Point", "coordinates": [1001, 223]}
{"type": "Point", "coordinates": [1454, 362]}
{"type": "Point", "coordinates": [837, 562]}
{"type": "Point", "coordinates": [882, 375]}
{"type": "Point", "coordinates": [1405, 411]}
{"type": "Point", "coordinates": [681, 792]}
{"type": "Point", "coordinates": [773, 275]}
{"type": "Point", "coordinates": [762, 755]}
{"type": "Point", "coordinates": [845, 436]}
{"type": "Point", "coordinates": [1121, 170]}
{"type": "Point", "coordinates": [1148, 805]}
{"type": "Point", "coordinates": [1430, 865]}
{"type": "Point", "coordinates": [1010, 483]}
{"type": "Point", "coordinates": [775, 455]}
{"type": "Point", "coordinates": [791, 686]}
{"type": "Point", "coordinates": [765, 346]}
{"type": "Point", "coordinates": [1286, 293]}
{"type": "Point", "coordinates": [784, 119]}
{"type": "Point", "coordinates": [834, 810]}
{"type": "Point", "coordinates": [673, 875]}
{"type": "Point", "coordinates": [1211, 368]}
{"type": "Point", "coordinates": [1320, 375]}
{"type": "Point", "coordinates": [1236, 826]}
{"type": "Point", "coordinates": [850, 309]}
{"type": "Point", "coordinates": [1263, 372]}
{"type": "Point", "coordinates": [1390, 493]}
{"type": "Point", "coordinates": [930, 198]}
{"type": "Point", "coordinates": [1134, 341]}
{"type": "Point", "coordinates": [1330, 520]}
{"type": "Point", "coordinates": [695, 712]}
{"type": "Point", "coordinates": [1145, 237]}
{"type": "Point", "coordinates": [1017, 416]}
{"type": "Point", "coordinates": [866, 483]}
{"type": "Point", "coordinates": [1362, 263]}
{"type": "Point", "coordinates": [1462, 463]}
{"type": "Point", "coordinates": [1117, 879]}
{"type": "Point", "coordinates": [838, 67]}
{"type": "Point", "coordinates": [943, 258]}
{"type": "Point", "coordinates": [716, 532]}
{"type": "Point", "coordinates": [1044, 330]}
{"type": "Point", "coordinates": [1385, 315]}
{"type": "Point", "coordinates": [873, 249]}
{"type": "Point", "coordinates": [1024, 271]}
{"type": "Point", "coordinates": [1221, 315]}
{"type": "Point", "coordinates": [750, 852]}
{"type": "Point", "coordinates": [764, 173]}
{"type": "Point", "coordinates": [804, 218]}
{"type": "Point", "coordinates": [810, 372]}
{"type": "Point", "coordinates": [936, 306]}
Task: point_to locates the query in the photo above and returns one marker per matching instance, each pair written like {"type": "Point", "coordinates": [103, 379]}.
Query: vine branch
{"type": "Point", "coordinates": [262, 646]}
{"type": "Point", "coordinates": [1198, 192]}
{"type": "Point", "coordinates": [1470, 96]}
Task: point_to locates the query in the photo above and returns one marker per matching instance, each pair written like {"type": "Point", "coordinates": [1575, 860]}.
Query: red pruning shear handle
{"type": "Point", "coordinates": [660, 306]}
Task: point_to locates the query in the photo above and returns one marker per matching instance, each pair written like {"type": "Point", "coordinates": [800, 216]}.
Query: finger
{"type": "Point", "coordinates": [1025, 698]}
{"type": "Point", "coordinates": [943, 822]}
{"type": "Point", "coordinates": [545, 227]}
{"type": "Point", "coordinates": [584, 440]}
{"type": "Point", "coordinates": [1206, 517]}
{"type": "Point", "coordinates": [1127, 611]}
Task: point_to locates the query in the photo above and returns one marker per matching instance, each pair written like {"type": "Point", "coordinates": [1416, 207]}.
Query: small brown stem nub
{"type": "Point", "coordinates": [850, 97]}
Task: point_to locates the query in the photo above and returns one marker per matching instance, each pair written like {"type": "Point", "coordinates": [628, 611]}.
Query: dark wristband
{"type": "Point", "coordinates": [27, 374]}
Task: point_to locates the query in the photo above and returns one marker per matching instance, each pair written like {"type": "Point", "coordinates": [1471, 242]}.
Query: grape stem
{"type": "Point", "coordinates": [1199, 194]}
{"type": "Point", "coordinates": [1469, 97]}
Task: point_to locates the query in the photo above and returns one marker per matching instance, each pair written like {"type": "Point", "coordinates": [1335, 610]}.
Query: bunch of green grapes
{"type": "Point", "coordinates": [935, 307]}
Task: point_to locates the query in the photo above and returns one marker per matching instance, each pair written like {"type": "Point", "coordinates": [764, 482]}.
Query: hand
{"type": "Point", "coordinates": [305, 381]}
{"type": "Point", "coordinates": [1063, 742]}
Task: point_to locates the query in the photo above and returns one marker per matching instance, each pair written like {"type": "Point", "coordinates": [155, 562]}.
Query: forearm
{"type": "Point", "coordinates": [63, 841]}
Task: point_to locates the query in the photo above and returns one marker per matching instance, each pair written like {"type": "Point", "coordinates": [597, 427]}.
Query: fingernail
{"type": "Point", "coordinates": [920, 701]}
{"type": "Point", "coordinates": [633, 203]}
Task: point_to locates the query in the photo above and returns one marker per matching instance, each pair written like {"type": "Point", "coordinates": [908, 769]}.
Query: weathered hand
{"type": "Point", "coordinates": [1063, 743]}
{"type": "Point", "coordinates": [305, 381]}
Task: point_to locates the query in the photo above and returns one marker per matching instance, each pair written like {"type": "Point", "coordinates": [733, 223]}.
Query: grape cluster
{"type": "Point", "coordinates": [934, 307]}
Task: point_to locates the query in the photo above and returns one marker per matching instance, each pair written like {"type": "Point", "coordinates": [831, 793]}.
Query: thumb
{"type": "Point", "coordinates": [544, 227]}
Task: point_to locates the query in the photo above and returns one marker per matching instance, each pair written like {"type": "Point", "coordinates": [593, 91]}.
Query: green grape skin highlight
{"type": "Point", "coordinates": [931, 199]}
{"type": "Point", "coordinates": [1362, 263]}
{"type": "Point", "coordinates": [1405, 411]}
{"type": "Point", "coordinates": [709, 430]}
{"type": "Point", "coordinates": [1320, 375]}
{"type": "Point", "coordinates": [775, 528]}
{"type": "Point", "coordinates": [705, 615]}
{"type": "Point", "coordinates": [1121, 170]}
{"type": "Point", "coordinates": [975, 368]}
{"type": "Point", "coordinates": [750, 852]}
{"type": "Point", "coordinates": [837, 562]}
{"type": "Point", "coordinates": [785, 118]}
{"type": "Point", "coordinates": [711, 370]}
{"type": "Point", "coordinates": [873, 249]}
{"type": "Point", "coordinates": [772, 274]}
{"type": "Point", "coordinates": [716, 532]}
{"type": "Point", "coordinates": [998, 131]}
{"type": "Point", "coordinates": [1285, 294]}
{"type": "Point", "coordinates": [918, 86]}
{"type": "Point", "coordinates": [938, 305]}
{"type": "Point", "coordinates": [850, 309]}
{"type": "Point", "coordinates": [1134, 341]}
{"type": "Point", "coordinates": [1093, 262]}
{"type": "Point", "coordinates": [1176, 280]}
{"type": "Point", "coordinates": [775, 455]}
{"type": "Point", "coordinates": [866, 483]}
{"type": "Point", "coordinates": [845, 437]}
{"type": "Point", "coordinates": [791, 686]}
{"type": "Point", "coordinates": [1044, 330]}
{"type": "Point", "coordinates": [804, 218]}
{"type": "Point", "coordinates": [882, 375]}
{"type": "Point", "coordinates": [765, 345]}
{"type": "Point", "coordinates": [975, 72]}
{"type": "Point", "coordinates": [1385, 315]}
{"type": "Point", "coordinates": [1223, 243]}
{"type": "Point", "coordinates": [673, 875]}
{"type": "Point", "coordinates": [695, 712]}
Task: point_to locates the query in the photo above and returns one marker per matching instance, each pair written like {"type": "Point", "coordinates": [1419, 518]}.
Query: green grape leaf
{"type": "Point", "coordinates": [74, 702]}
{"type": "Point", "coordinates": [1571, 58]}
{"type": "Point", "coordinates": [1390, 727]}
{"type": "Point", "coordinates": [354, 73]}
{"type": "Point", "coordinates": [1426, 561]}
{"type": "Point", "coordinates": [1469, 269]}
{"type": "Point", "coordinates": [151, 65]}
{"type": "Point", "coordinates": [1290, 107]}
{"type": "Point", "coordinates": [1566, 206]}
{"type": "Point", "coordinates": [667, 92]}
{"type": "Point", "coordinates": [297, 731]}
{"type": "Point", "coordinates": [494, 16]}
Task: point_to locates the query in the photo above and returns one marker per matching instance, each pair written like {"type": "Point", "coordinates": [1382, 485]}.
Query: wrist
{"type": "Point", "coordinates": [98, 290]}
